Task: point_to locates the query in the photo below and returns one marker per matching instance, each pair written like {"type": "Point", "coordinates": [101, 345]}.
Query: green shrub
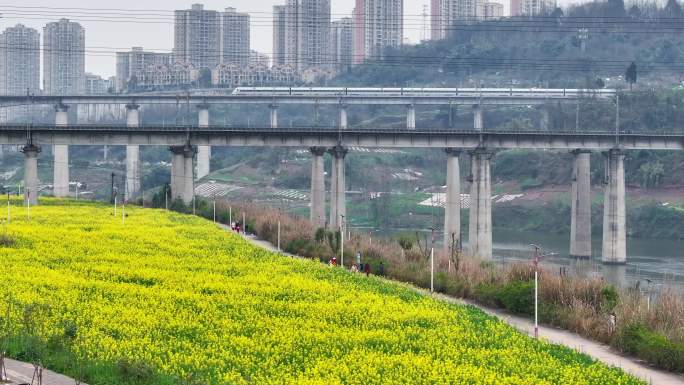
{"type": "Point", "coordinates": [487, 294]}
{"type": "Point", "coordinates": [517, 297]}
{"type": "Point", "coordinates": [531, 183]}
{"type": "Point", "coordinates": [653, 347]}
{"type": "Point", "coordinates": [609, 298]}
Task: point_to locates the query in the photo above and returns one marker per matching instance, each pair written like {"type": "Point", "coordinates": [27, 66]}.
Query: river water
{"type": "Point", "coordinates": [653, 264]}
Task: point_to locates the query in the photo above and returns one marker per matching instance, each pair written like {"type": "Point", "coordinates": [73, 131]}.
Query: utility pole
{"type": "Point", "coordinates": [113, 193]}
{"type": "Point", "coordinates": [617, 119]}
{"type": "Point", "coordinates": [342, 242]}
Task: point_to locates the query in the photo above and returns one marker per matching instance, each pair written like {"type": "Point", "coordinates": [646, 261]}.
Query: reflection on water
{"type": "Point", "coordinates": [651, 263]}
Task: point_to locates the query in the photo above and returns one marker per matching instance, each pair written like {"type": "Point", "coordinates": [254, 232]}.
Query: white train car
{"type": "Point", "coordinates": [419, 92]}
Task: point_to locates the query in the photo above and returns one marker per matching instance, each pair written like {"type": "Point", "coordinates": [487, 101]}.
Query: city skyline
{"type": "Point", "coordinates": [158, 36]}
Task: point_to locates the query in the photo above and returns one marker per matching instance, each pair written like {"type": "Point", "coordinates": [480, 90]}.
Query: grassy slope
{"type": "Point", "coordinates": [166, 297]}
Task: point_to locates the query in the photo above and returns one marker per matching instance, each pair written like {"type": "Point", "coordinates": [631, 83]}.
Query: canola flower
{"type": "Point", "coordinates": [189, 300]}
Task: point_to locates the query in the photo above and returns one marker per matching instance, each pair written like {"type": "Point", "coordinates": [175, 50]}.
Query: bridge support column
{"type": "Point", "coordinates": [614, 226]}
{"type": "Point", "coordinates": [580, 224]}
{"type": "Point", "coordinates": [203, 152]}
{"type": "Point", "coordinates": [274, 115]}
{"type": "Point", "coordinates": [132, 155]}
{"type": "Point", "coordinates": [60, 153]}
{"type": "Point", "coordinates": [545, 121]}
{"type": "Point", "coordinates": [480, 226]}
{"type": "Point", "coordinates": [453, 114]}
{"type": "Point", "coordinates": [343, 116]}
{"type": "Point", "coordinates": [31, 173]}
{"type": "Point", "coordinates": [338, 187]}
{"type": "Point", "coordinates": [411, 117]}
{"type": "Point", "coordinates": [452, 204]}
{"type": "Point", "coordinates": [478, 117]}
{"type": "Point", "coordinates": [182, 179]}
{"type": "Point", "coordinates": [318, 187]}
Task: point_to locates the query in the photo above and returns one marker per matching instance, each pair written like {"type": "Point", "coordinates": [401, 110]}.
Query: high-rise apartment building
{"type": "Point", "coordinates": [96, 85]}
{"type": "Point", "coordinates": [259, 59]}
{"type": "Point", "coordinates": [235, 39]}
{"type": "Point", "coordinates": [301, 33]}
{"type": "Point", "coordinates": [63, 58]}
{"type": "Point", "coordinates": [129, 65]}
{"type": "Point", "coordinates": [530, 7]}
{"type": "Point", "coordinates": [448, 14]}
{"type": "Point", "coordinates": [197, 37]}
{"type": "Point", "coordinates": [493, 11]}
{"type": "Point", "coordinates": [19, 61]}
{"type": "Point", "coordinates": [341, 44]}
{"type": "Point", "coordinates": [378, 24]}
{"type": "Point", "coordinates": [279, 39]}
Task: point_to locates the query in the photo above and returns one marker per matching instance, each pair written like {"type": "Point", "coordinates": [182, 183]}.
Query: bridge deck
{"type": "Point", "coordinates": [328, 137]}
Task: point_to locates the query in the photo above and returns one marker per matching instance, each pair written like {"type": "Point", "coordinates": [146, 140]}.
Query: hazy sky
{"type": "Point", "coordinates": [106, 37]}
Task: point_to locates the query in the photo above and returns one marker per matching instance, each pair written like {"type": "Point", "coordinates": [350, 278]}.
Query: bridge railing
{"type": "Point", "coordinates": [314, 129]}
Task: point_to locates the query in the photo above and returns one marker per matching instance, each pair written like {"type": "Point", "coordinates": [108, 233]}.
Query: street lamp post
{"type": "Point", "coordinates": [342, 242]}
{"type": "Point", "coordinates": [536, 259]}
{"type": "Point", "coordinates": [432, 261]}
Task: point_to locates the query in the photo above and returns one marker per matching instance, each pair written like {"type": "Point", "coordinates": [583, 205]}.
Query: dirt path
{"type": "Point", "coordinates": [21, 373]}
{"type": "Point", "coordinates": [598, 351]}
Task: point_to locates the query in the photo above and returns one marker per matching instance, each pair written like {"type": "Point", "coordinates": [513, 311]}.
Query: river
{"type": "Point", "coordinates": [653, 264]}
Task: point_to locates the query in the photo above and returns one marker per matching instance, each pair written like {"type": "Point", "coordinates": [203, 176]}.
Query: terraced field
{"type": "Point", "coordinates": [171, 299]}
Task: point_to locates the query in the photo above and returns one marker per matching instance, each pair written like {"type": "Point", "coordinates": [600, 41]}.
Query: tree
{"type": "Point", "coordinates": [673, 9]}
{"type": "Point", "coordinates": [616, 8]}
{"type": "Point", "coordinates": [634, 12]}
{"type": "Point", "coordinates": [557, 13]}
{"type": "Point", "coordinates": [132, 84]}
{"type": "Point", "coordinates": [204, 79]}
{"type": "Point", "coordinates": [599, 83]}
{"type": "Point", "coordinates": [631, 75]}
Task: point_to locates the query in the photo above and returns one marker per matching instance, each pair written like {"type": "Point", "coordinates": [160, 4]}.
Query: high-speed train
{"type": "Point", "coordinates": [425, 92]}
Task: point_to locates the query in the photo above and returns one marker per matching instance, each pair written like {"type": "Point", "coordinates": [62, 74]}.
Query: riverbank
{"type": "Point", "coordinates": [600, 352]}
{"type": "Point", "coordinates": [646, 327]}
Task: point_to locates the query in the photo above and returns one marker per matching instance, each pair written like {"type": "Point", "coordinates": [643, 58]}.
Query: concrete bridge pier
{"type": "Point", "coordinates": [545, 120]}
{"type": "Point", "coordinates": [132, 155]}
{"type": "Point", "coordinates": [60, 152]}
{"type": "Point", "coordinates": [182, 179]}
{"type": "Point", "coordinates": [338, 187]}
{"type": "Point", "coordinates": [411, 116]}
{"type": "Point", "coordinates": [614, 226]}
{"type": "Point", "coordinates": [203, 152]}
{"type": "Point", "coordinates": [343, 116]}
{"type": "Point", "coordinates": [480, 226]}
{"type": "Point", "coordinates": [580, 223]}
{"type": "Point", "coordinates": [452, 204]}
{"type": "Point", "coordinates": [478, 117]}
{"type": "Point", "coordinates": [453, 114]}
{"type": "Point", "coordinates": [274, 115]}
{"type": "Point", "coordinates": [31, 173]}
{"type": "Point", "coordinates": [318, 186]}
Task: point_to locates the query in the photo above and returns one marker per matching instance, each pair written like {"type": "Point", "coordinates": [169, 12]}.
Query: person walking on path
{"type": "Point", "coordinates": [367, 269]}
{"type": "Point", "coordinates": [358, 261]}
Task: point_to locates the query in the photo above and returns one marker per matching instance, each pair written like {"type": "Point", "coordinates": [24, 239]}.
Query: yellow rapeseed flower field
{"type": "Point", "coordinates": [172, 299]}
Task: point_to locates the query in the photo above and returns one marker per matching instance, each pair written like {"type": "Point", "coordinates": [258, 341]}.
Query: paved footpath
{"type": "Point", "coordinates": [598, 351]}
{"type": "Point", "coordinates": [21, 373]}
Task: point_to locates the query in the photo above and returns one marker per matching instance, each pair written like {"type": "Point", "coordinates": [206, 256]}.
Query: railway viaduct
{"type": "Point", "coordinates": [188, 143]}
